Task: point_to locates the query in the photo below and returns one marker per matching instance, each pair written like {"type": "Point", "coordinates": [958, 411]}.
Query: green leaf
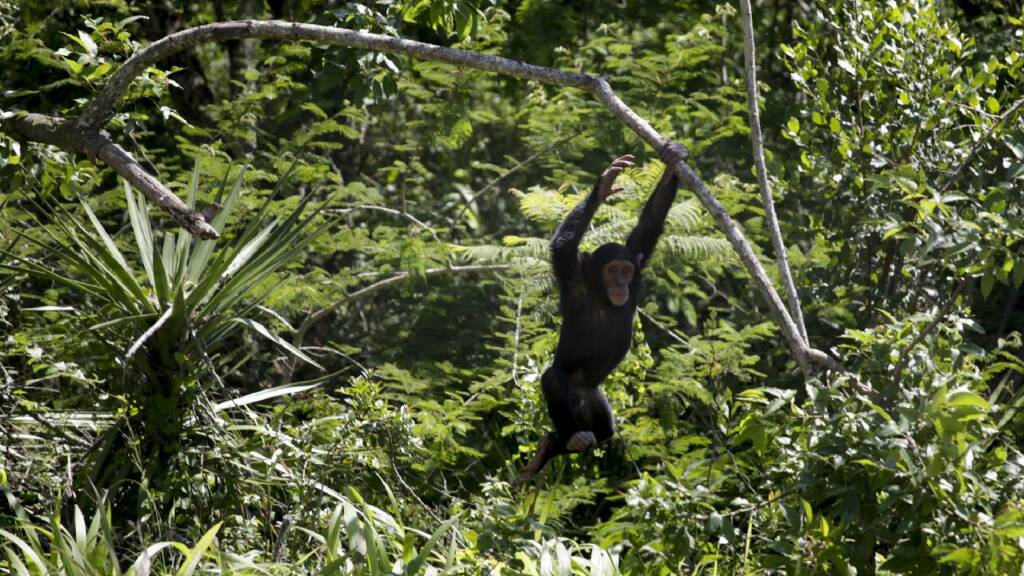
{"type": "Point", "coordinates": [959, 556]}
{"type": "Point", "coordinates": [421, 558]}
{"type": "Point", "coordinates": [992, 104]}
{"type": "Point", "coordinates": [316, 110]}
{"type": "Point", "coordinates": [966, 398]}
{"type": "Point", "coordinates": [988, 280]}
{"type": "Point", "coordinates": [284, 344]}
{"type": "Point", "coordinates": [794, 125]}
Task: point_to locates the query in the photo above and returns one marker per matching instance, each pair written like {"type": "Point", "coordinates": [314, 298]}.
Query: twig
{"type": "Point", "coordinates": [149, 333]}
{"type": "Point", "coordinates": [664, 328]}
{"type": "Point", "coordinates": [761, 504]}
{"type": "Point", "coordinates": [946, 306]}
{"type": "Point", "coordinates": [519, 166]}
{"type": "Point", "coordinates": [981, 142]}
{"type": "Point", "coordinates": [319, 315]}
{"type": "Point", "coordinates": [756, 139]}
{"type": "Point", "coordinates": [386, 210]}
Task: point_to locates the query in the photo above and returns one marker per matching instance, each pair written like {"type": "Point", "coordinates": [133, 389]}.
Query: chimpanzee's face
{"type": "Point", "coordinates": [617, 276]}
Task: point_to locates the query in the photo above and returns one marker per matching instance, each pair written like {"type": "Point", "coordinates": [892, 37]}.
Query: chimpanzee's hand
{"type": "Point", "coordinates": [580, 441]}
{"type": "Point", "coordinates": [673, 152]}
{"type": "Point", "coordinates": [605, 186]}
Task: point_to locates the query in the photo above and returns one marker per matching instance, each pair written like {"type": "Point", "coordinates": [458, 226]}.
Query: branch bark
{"type": "Point", "coordinates": [757, 140]}
{"type": "Point", "coordinates": [104, 105]}
{"type": "Point", "coordinates": [97, 145]}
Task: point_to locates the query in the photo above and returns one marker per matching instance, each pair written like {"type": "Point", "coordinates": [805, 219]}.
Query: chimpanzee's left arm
{"type": "Point", "coordinates": [652, 220]}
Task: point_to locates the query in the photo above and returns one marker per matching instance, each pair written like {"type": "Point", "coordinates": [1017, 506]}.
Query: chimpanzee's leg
{"type": "Point", "coordinates": [593, 418]}
{"type": "Point", "coordinates": [559, 399]}
{"type": "Point", "coordinates": [602, 421]}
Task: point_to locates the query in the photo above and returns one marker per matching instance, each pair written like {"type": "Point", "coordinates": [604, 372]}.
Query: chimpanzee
{"type": "Point", "coordinates": [599, 293]}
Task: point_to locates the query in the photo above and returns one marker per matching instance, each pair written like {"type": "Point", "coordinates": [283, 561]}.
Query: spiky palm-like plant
{"type": "Point", "coordinates": [166, 308]}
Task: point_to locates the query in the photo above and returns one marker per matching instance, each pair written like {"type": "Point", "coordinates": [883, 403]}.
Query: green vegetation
{"type": "Point", "coordinates": [347, 380]}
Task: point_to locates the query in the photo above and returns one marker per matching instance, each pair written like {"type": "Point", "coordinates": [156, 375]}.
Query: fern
{"type": "Point", "coordinates": [697, 247]}
{"type": "Point", "coordinates": [686, 215]}
{"type": "Point", "coordinates": [542, 205]}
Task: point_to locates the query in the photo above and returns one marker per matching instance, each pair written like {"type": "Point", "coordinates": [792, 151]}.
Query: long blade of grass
{"type": "Point", "coordinates": [117, 321]}
{"type": "Point", "coordinates": [195, 555]}
{"type": "Point", "coordinates": [332, 544]}
{"type": "Point", "coordinates": [30, 554]}
{"type": "Point", "coordinates": [184, 237]}
{"type": "Point", "coordinates": [421, 558]}
{"type": "Point", "coordinates": [263, 395]}
{"type": "Point", "coordinates": [141, 228]}
{"type": "Point", "coordinates": [144, 562]}
{"type": "Point", "coordinates": [22, 516]}
{"type": "Point", "coordinates": [218, 275]}
{"type": "Point", "coordinates": [113, 255]}
{"type": "Point", "coordinates": [249, 250]}
{"type": "Point", "coordinates": [376, 557]}
{"type": "Point", "coordinates": [280, 249]}
{"type": "Point", "coordinates": [19, 567]}
{"type": "Point", "coordinates": [204, 248]}
{"type": "Point", "coordinates": [284, 344]}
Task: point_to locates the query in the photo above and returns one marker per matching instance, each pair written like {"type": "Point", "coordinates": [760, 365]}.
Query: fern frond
{"type": "Point", "coordinates": [686, 215]}
{"type": "Point", "coordinates": [484, 253]}
{"type": "Point", "coordinates": [542, 205]}
{"type": "Point", "coordinates": [697, 247]}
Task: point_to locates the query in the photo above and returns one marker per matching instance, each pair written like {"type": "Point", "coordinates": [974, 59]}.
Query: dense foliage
{"type": "Point", "coordinates": [347, 381]}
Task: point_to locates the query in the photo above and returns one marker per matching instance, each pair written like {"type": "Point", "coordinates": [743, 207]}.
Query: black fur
{"type": "Point", "coordinates": [595, 334]}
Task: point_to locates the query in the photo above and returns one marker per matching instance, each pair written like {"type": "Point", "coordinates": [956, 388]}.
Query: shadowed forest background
{"type": "Point", "coordinates": [348, 379]}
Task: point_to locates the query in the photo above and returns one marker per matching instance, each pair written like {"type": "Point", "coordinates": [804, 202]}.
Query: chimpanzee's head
{"type": "Point", "coordinates": [611, 269]}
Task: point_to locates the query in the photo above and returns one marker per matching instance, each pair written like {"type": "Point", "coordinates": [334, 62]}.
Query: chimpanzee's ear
{"type": "Point", "coordinates": [640, 259]}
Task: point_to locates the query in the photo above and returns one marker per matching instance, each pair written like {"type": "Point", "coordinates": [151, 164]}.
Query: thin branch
{"type": "Point", "coordinates": [757, 140]}
{"type": "Point", "coordinates": [664, 328]}
{"type": "Point", "coordinates": [319, 315]}
{"type": "Point", "coordinates": [96, 145]}
{"type": "Point", "coordinates": [981, 142]}
{"type": "Point", "coordinates": [519, 166]}
{"type": "Point", "coordinates": [103, 106]}
{"type": "Point", "coordinates": [149, 333]}
{"type": "Point", "coordinates": [386, 210]}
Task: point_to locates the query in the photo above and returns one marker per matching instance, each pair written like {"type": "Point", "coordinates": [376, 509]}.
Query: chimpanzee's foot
{"type": "Point", "coordinates": [580, 441]}
{"type": "Point", "coordinates": [530, 470]}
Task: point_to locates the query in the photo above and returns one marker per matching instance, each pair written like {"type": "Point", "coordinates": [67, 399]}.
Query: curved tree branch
{"type": "Point", "coordinates": [97, 145]}
{"type": "Point", "coordinates": [104, 105]}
